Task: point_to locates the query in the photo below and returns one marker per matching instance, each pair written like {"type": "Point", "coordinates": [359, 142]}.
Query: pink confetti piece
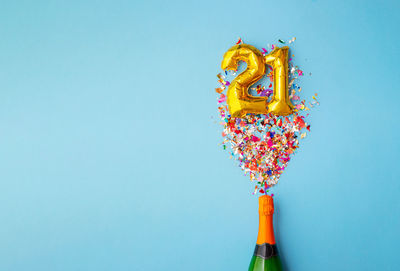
{"type": "Point", "coordinates": [222, 99]}
{"type": "Point", "coordinates": [299, 106]}
{"type": "Point", "coordinates": [296, 98]}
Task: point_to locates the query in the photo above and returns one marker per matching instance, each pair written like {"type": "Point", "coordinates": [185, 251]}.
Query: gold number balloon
{"type": "Point", "coordinates": [280, 103]}
{"type": "Point", "coordinates": [239, 101]}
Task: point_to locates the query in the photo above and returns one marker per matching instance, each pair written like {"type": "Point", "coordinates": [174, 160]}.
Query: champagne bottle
{"type": "Point", "coordinates": [265, 256]}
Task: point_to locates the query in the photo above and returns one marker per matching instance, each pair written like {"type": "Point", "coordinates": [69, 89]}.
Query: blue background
{"type": "Point", "coordinates": [109, 155]}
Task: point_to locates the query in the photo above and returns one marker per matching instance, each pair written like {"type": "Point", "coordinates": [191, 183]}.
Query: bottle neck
{"type": "Point", "coordinates": [265, 226]}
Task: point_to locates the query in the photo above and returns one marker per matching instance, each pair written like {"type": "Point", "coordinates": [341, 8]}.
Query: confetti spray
{"type": "Point", "coordinates": [263, 144]}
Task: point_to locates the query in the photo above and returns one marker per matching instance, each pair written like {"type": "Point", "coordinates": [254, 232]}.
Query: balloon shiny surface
{"type": "Point", "coordinates": [280, 103]}
{"type": "Point", "coordinates": [239, 101]}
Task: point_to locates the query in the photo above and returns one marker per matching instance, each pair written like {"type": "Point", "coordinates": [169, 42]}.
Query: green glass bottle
{"type": "Point", "coordinates": [265, 256]}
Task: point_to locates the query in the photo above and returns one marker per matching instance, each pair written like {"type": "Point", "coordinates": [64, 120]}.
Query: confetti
{"type": "Point", "coordinates": [220, 90]}
{"type": "Point", "coordinates": [264, 51]}
{"type": "Point", "coordinates": [222, 98]}
{"type": "Point", "coordinates": [263, 144]}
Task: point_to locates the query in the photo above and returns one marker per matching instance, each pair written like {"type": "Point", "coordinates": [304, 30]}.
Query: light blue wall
{"type": "Point", "coordinates": [109, 157]}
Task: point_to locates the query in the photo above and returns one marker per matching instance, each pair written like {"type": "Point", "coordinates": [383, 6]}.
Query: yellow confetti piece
{"type": "Point", "coordinates": [303, 135]}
